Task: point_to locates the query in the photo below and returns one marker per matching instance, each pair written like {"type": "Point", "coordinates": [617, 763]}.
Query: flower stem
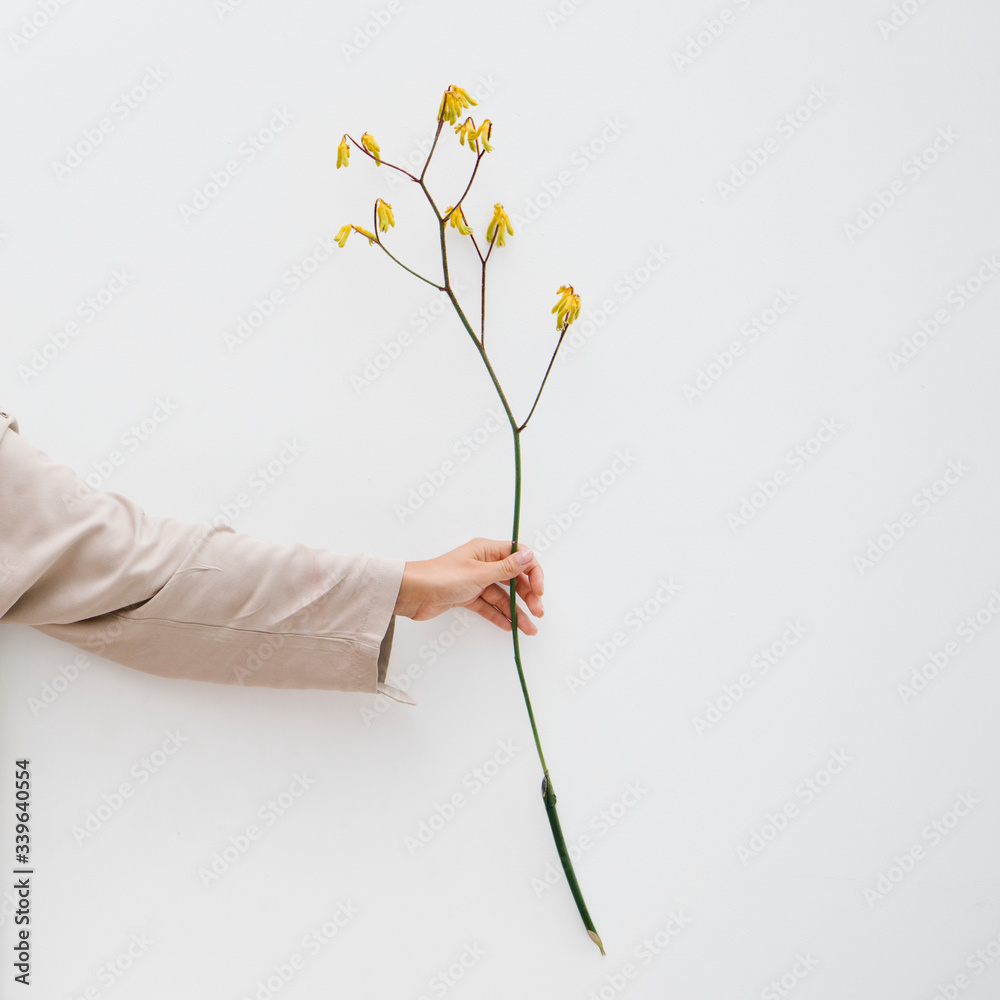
{"type": "Point", "coordinates": [548, 794]}
{"type": "Point", "coordinates": [562, 333]}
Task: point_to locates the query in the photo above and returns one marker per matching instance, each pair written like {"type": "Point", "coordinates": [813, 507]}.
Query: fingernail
{"type": "Point", "coordinates": [524, 556]}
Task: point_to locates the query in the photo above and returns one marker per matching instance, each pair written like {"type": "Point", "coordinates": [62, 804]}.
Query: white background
{"type": "Point", "coordinates": [609, 153]}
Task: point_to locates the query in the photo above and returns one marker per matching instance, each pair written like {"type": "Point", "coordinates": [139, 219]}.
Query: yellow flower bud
{"type": "Point", "coordinates": [371, 237]}
{"type": "Point", "coordinates": [342, 234]}
{"type": "Point", "coordinates": [452, 103]}
{"type": "Point", "coordinates": [343, 152]}
{"type": "Point", "coordinates": [457, 219]}
{"type": "Point", "coordinates": [567, 308]}
{"type": "Point", "coordinates": [372, 146]}
{"type": "Point", "coordinates": [385, 219]}
{"type": "Point", "coordinates": [499, 224]}
{"type": "Point", "coordinates": [467, 130]}
{"type": "Point", "coordinates": [484, 133]}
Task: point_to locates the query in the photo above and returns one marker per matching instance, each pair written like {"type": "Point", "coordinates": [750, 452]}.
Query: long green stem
{"type": "Point", "coordinates": [548, 793]}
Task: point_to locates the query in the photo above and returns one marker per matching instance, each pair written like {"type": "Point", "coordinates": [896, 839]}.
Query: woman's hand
{"type": "Point", "coordinates": [470, 577]}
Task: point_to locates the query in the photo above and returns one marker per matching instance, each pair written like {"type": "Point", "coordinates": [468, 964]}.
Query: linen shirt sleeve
{"type": "Point", "coordinates": [182, 600]}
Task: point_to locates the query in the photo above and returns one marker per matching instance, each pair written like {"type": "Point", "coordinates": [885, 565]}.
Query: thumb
{"type": "Point", "coordinates": [506, 569]}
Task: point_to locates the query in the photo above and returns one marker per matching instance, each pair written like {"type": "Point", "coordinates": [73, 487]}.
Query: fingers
{"type": "Point", "coordinates": [494, 605]}
{"type": "Point", "coordinates": [505, 565]}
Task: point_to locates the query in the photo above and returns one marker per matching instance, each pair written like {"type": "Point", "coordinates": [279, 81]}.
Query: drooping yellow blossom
{"type": "Point", "coordinates": [567, 308]}
{"type": "Point", "coordinates": [485, 130]}
{"type": "Point", "coordinates": [457, 219]}
{"type": "Point", "coordinates": [385, 219]}
{"type": "Point", "coordinates": [372, 146]}
{"type": "Point", "coordinates": [455, 99]}
{"type": "Point", "coordinates": [345, 231]}
{"type": "Point", "coordinates": [467, 130]}
{"type": "Point", "coordinates": [343, 152]}
{"type": "Point", "coordinates": [499, 225]}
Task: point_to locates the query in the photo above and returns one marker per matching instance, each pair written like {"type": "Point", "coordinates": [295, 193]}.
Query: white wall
{"type": "Point", "coordinates": [630, 172]}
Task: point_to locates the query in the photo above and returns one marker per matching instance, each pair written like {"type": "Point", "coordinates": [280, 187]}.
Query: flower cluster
{"type": "Point", "coordinates": [345, 231]}
{"type": "Point", "coordinates": [475, 136]}
{"type": "Point", "coordinates": [499, 224]}
{"type": "Point", "coordinates": [567, 308]}
{"type": "Point", "coordinates": [456, 218]}
{"type": "Point", "coordinates": [455, 100]}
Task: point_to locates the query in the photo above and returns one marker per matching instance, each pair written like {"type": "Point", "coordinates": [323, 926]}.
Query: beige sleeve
{"type": "Point", "coordinates": [185, 600]}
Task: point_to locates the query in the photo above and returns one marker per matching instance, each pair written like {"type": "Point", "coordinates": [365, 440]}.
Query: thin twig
{"type": "Point", "coordinates": [562, 333]}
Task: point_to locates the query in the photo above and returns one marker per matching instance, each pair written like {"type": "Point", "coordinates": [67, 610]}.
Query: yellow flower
{"type": "Point", "coordinates": [343, 152]}
{"type": "Point", "coordinates": [454, 100]}
{"type": "Point", "coordinates": [384, 211]}
{"type": "Point", "coordinates": [485, 130]}
{"type": "Point", "coordinates": [467, 130]}
{"type": "Point", "coordinates": [499, 224]}
{"type": "Point", "coordinates": [567, 308]}
{"type": "Point", "coordinates": [372, 146]}
{"type": "Point", "coordinates": [345, 231]}
{"type": "Point", "coordinates": [457, 219]}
